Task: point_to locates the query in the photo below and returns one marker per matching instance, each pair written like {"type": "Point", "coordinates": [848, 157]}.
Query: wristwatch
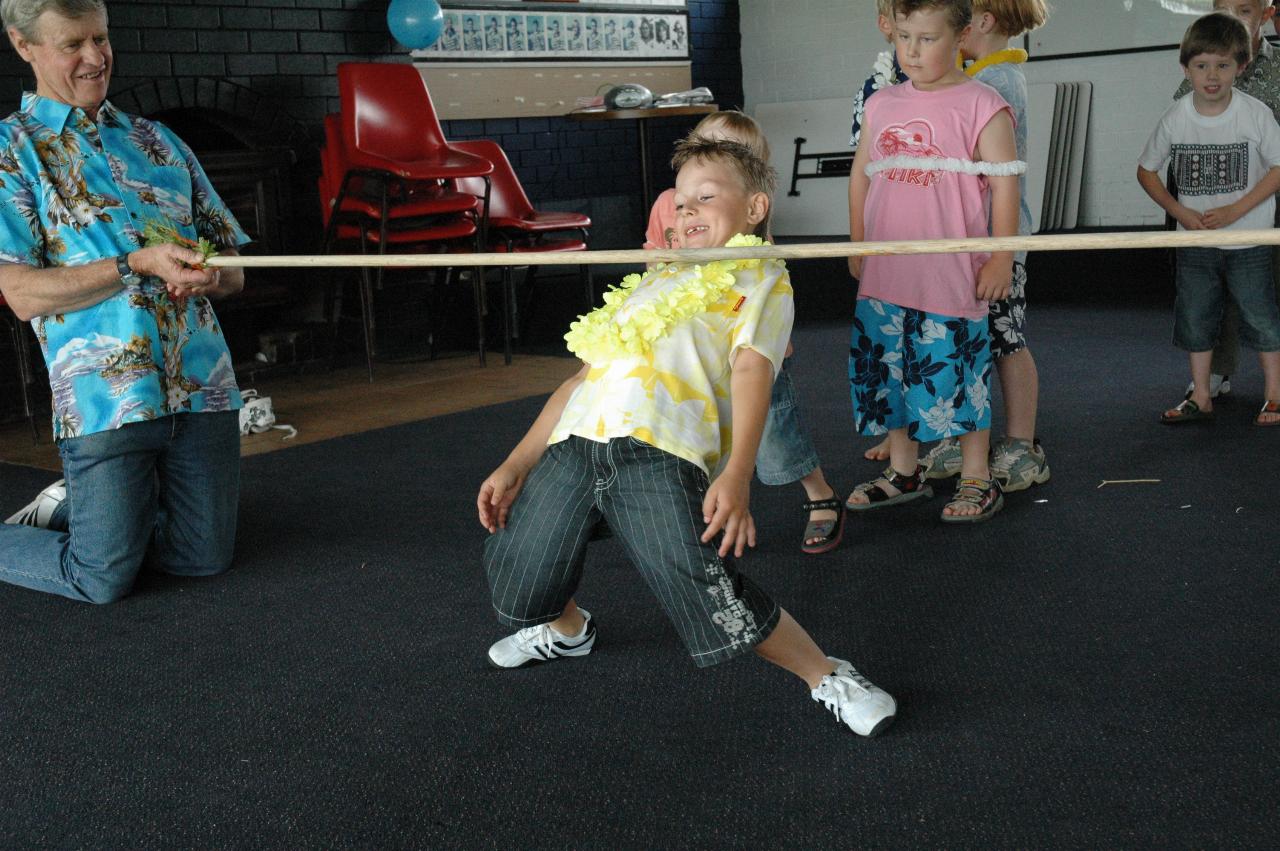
{"type": "Point", "coordinates": [128, 277]}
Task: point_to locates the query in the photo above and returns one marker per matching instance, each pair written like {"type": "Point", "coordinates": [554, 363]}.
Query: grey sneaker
{"type": "Point", "coordinates": [858, 704]}
{"type": "Point", "coordinates": [1018, 464]}
{"type": "Point", "coordinates": [542, 644]}
{"type": "Point", "coordinates": [40, 510]}
{"type": "Point", "coordinates": [944, 460]}
{"type": "Point", "coordinates": [1219, 385]}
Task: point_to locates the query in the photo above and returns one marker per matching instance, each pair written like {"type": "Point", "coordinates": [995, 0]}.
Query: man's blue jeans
{"type": "Point", "coordinates": [163, 492]}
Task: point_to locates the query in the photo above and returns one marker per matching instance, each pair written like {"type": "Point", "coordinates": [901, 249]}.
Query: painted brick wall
{"type": "Point", "coordinates": [289, 50]}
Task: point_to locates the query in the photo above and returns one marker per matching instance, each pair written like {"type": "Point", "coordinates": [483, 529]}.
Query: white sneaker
{"type": "Point", "coordinates": [1219, 385]}
{"type": "Point", "coordinates": [863, 707]}
{"type": "Point", "coordinates": [40, 510]}
{"type": "Point", "coordinates": [542, 644]}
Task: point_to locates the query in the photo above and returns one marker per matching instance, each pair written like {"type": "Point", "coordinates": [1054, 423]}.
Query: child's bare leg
{"type": "Point", "coordinates": [570, 621]}
{"type": "Point", "coordinates": [1020, 384]}
{"type": "Point", "coordinates": [1271, 376]}
{"type": "Point", "coordinates": [879, 452]}
{"type": "Point", "coordinates": [975, 447]}
{"type": "Point", "coordinates": [904, 457]}
{"type": "Point", "coordinates": [790, 647]}
{"type": "Point", "coordinates": [816, 487]}
{"type": "Point", "coordinates": [1200, 365]}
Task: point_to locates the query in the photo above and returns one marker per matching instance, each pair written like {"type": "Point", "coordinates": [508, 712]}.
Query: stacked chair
{"type": "Point", "coordinates": [516, 227]}
{"type": "Point", "coordinates": [390, 178]}
{"type": "Point", "coordinates": [26, 379]}
{"type": "Point", "coordinates": [387, 175]}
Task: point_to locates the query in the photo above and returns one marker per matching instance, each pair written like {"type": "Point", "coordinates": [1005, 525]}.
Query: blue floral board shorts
{"type": "Point", "coordinates": [925, 372]}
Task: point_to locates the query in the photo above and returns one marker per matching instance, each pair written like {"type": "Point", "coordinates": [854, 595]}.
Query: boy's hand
{"type": "Point", "coordinates": [1220, 217]}
{"type": "Point", "coordinates": [994, 279]}
{"type": "Point", "coordinates": [1189, 218]}
{"type": "Point", "coordinates": [497, 494]}
{"type": "Point", "coordinates": [855, 266]}
{"type": "Point", "coordinates": [727, 507]}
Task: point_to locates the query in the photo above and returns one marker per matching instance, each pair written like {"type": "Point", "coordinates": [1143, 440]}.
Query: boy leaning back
{"type": "Point", "coordinates": [658, 433]}
{"type": "Point", "coordinates": [1225, 147]}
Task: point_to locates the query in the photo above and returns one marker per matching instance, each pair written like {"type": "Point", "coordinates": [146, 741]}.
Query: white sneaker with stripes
{"type": "Point", "coordinates": [863, 707]}
{"type": "Point", "coordinates": [40, 510]}
{"type": "Point", "coordinates": [541, 643]}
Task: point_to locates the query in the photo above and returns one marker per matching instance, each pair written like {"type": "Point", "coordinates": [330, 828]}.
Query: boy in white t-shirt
{"type": "Point", "coordinates": [1225, 147]}
{"type": "Point", "coordinates": [658, 433]}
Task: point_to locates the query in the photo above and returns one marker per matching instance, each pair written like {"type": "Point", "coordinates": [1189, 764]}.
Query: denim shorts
{"type": "Point", "coordinates": [786, 452]}
{"type": "Point", "coordinates": [653, 502]}
{"type": "Point", "coordinates": [924, 372]}
{"type": "Point", "coordinates": [1204, 278]}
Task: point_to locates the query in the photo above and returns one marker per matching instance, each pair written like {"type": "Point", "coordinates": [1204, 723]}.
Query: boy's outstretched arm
{"type": "Point", "coordinates": [727, 505]}
{"type": "Point", "coordinates": [503, 485]}
{"type": "Point", "coordinates": [1154, 186]}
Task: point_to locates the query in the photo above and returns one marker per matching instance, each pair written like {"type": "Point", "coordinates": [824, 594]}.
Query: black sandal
{"type": "Point", "coordinates": [984, 493]}
{"type": "Point", "coordinates": [828, 533]}
{"type": "Point", "coordinates": [910, 488]}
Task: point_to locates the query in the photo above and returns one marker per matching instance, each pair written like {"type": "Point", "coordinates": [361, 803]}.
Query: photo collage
{"type": "Point", "coordinates": [478, 33]}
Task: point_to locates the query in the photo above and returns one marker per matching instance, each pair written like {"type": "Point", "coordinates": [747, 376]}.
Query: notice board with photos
{"type": "Point", "coordinates": [501, 59]}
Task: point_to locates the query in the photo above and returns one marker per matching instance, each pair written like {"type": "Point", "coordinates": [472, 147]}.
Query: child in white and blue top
{"type": "Point", "coordinates": [1225, 149]}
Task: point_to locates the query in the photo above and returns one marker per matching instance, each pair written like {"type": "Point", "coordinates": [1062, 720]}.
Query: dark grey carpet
{"type": "Point", "coordinates": [1095, 668]}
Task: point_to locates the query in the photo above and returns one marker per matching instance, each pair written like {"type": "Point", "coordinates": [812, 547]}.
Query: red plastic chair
{"type": "Point", "coordinates": [390, 129]}
{"type": "Point", "coordinates": [515, 226]}
{"type": "Point", "coordinates": [422, 216]}
{"type": "Point", "coordinates": [17, 332]}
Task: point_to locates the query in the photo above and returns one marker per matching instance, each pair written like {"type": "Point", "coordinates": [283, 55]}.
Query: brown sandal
{"type": "Point", "coordinates": [984, 493]}
{"type": "Point", "coordinates": [828, 533]}
{"type": "Point", "coordinates": [910, 488]}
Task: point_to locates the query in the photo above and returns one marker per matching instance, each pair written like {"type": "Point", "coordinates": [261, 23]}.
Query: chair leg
{"type": "Point", "coordinates": [585, 271]}
{"type": "Point", "coordinates": [18, 330]}
{"type": "Point", "coordinates": [366, 310]}
{"type": "Point", "coordinates": [508, 313]}
{"type": "Point", "coordinates": [477, 289]}
{"type": "Point", "coordinates": [444, 283]}
{"type": "Point", "coordinates": [530, 278]}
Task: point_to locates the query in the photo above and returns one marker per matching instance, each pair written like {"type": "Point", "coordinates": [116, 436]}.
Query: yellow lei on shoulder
{"type": "Point", "coordinates": [598, 337]}
{"type": "Point", "coordinates": [1014, 55]}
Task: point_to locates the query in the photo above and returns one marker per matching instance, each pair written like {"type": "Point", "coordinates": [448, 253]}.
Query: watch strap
{"type": "Point", "coordinates": [122, 267]}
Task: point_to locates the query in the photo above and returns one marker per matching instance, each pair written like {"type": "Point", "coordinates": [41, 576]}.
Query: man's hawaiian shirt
{"type": "Point", "coordinates": [73, 191]}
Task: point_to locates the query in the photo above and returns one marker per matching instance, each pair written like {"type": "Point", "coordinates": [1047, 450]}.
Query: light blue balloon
{"type": "Point", "coordinates": [415, 23]}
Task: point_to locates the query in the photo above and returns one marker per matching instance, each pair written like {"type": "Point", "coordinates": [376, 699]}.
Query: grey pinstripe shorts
{"type": "Point", "coordinates": [653, 502]}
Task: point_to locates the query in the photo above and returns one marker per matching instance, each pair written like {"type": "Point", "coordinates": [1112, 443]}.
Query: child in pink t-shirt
{"type": "Point", "coordinates": [786, 452]}
{"type": "Point", "coordinates": [936, 154]}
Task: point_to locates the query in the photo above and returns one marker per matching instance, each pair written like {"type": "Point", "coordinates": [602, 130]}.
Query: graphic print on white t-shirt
{"type": "Point", "coordinates": [1211, 169]}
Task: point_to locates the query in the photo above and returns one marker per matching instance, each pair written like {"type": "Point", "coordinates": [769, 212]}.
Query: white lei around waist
{"type": "Point", "coordinates": [1009, 169]}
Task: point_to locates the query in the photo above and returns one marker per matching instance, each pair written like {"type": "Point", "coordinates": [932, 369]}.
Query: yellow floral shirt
{"type": "Point", "coordinates": [662, 349]}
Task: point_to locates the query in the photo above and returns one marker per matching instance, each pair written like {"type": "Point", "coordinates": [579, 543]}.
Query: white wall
{"type": "Point", "coordinates": [814, 49]}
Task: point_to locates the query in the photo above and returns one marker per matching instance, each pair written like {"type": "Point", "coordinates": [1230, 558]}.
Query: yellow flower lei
{"type": "Point", "coordinates": [1014, 55]}
{"type": "Point", "coordinates": [598, 337]}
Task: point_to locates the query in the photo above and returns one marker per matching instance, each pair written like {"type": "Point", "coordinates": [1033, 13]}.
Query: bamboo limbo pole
{"type": "Point", "coordinates": [804, 251]}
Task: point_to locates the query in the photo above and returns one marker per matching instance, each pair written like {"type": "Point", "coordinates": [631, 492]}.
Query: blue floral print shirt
{"type": "Point", "coordinates": [73, 191]}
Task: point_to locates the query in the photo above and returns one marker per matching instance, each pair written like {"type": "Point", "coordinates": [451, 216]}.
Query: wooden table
{"type": "Point", "coordinates": [642, 117]}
